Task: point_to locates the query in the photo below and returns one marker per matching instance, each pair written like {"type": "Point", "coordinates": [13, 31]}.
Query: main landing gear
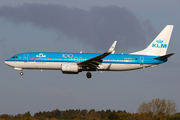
{"type": "Point", "coordinates": [88, 74]}
{"type": "Point", "coordinates": [21, 73]}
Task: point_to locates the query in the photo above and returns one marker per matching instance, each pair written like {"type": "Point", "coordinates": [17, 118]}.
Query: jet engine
{"type": "Point", "coordinates": [70, 68]}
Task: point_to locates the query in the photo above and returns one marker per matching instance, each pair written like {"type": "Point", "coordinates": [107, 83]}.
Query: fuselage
{"type": "Point", "coordinates": [55, 60]}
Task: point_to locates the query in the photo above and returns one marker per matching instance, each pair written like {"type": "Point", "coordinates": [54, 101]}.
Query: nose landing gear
{"type": "Point", "coordinates": [21, 73]}
{"type": "Point", "coordinates": [88, 74]}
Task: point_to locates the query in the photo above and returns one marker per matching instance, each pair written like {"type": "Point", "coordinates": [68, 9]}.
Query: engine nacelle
{"type": "Point", "coordinates": [69, 68]}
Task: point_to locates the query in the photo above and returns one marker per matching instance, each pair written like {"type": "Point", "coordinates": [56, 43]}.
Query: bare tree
{"type": "Point", "coordinates": [158, 108]}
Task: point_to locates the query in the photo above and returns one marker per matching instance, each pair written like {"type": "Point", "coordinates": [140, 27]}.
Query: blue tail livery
{"type": "Point", "coordinates": [73, 63]}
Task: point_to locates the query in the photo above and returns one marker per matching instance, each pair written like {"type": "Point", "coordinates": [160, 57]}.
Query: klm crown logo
{"type": "Point", "coordinates": [67, 67]}
{"type": "Point", "coordinates": [159, 41]}
{"type": "Point", "coordinates": [159, 44]}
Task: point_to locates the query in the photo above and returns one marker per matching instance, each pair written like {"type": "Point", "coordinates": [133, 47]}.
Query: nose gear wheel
{"type": "Point", "coordinates": [21, 73]}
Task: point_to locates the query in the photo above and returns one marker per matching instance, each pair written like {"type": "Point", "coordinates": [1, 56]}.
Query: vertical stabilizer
{"type": "Point", "coordinates": [160, 44]}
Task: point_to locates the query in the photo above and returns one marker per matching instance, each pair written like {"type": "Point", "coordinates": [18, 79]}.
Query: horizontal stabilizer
{"type": "Point", "coordinates": [164, 56]}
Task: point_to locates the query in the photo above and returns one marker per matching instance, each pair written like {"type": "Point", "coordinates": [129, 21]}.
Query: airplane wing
{"type": "Point", "coordinates": [96, 61]}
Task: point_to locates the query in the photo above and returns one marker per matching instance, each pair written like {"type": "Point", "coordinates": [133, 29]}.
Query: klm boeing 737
{"type": "Point", "coordinates": [73, 63]}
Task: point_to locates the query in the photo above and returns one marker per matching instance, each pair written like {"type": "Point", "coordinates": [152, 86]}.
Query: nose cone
{"type": "Point", "coordinates": [6, 62]}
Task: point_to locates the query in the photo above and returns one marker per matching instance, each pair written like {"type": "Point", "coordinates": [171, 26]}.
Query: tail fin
{"type": "Point", "coordinates": [160, 44]}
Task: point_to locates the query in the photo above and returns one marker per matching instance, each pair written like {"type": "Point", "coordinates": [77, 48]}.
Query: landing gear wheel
{"type": "Point", "coordinates": [88, 75]}
{"type": "Point", "coordinates": [21, 73]}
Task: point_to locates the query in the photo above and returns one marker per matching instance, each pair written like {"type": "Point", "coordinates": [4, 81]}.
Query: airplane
{"type": "Point", "coordinates": [73, 63]}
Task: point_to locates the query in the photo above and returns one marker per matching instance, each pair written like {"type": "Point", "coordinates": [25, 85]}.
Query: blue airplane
{"type": "Point", "coordinates": [73, 63]}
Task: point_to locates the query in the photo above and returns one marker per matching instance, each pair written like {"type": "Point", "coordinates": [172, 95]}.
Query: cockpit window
{"type": "Point", "coordinates": [14, 57]}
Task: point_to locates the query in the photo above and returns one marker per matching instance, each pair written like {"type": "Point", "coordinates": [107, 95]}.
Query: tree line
{"type": "Point", "coordinates": [156, 109]}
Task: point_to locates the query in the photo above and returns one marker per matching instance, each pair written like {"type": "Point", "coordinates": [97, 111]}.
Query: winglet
{"type": "Point", "coordinates": [111, 49]}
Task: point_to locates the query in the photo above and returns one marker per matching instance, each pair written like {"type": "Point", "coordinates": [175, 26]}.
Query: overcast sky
{"type": "Point", "coordinates": [88, 26]}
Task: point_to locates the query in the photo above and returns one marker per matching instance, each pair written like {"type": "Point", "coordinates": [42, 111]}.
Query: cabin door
{"type": "Point", "coordinates": [141, 60]}
{"type": "Point", "coordinates": [25, 57]}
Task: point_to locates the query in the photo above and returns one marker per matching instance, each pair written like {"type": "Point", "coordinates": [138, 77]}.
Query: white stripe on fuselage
{"type": "Point", "coordinates": [57, 65]}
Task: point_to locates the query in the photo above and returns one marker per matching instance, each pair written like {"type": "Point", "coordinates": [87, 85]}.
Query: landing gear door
{"type": "Point", "coordinates": [25, 57]}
